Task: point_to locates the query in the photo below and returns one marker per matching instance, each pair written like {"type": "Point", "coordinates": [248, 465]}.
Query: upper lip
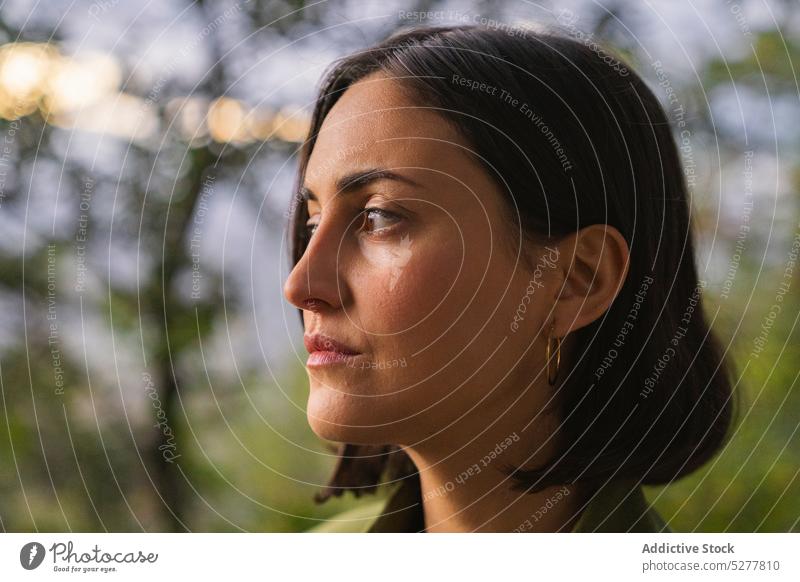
{"type": "Point", "coordinates": [319, 342]}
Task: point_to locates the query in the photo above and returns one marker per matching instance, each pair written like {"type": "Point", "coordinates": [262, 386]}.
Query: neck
{"type": "Point", "coordinates": [465, 490]}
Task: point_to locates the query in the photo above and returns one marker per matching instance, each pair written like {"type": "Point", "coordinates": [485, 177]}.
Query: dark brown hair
{"type": "Point", "coordinates": [649, 394]}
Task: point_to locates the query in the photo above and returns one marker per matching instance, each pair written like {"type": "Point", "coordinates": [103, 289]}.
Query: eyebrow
{"type": "Point", "coordinates": [356, 180]}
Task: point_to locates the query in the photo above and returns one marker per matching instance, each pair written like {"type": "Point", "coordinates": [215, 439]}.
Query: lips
{"type": "Point", "coordinates": [324, 343]}
{"type": "Point", "coordinates": [324, 350]}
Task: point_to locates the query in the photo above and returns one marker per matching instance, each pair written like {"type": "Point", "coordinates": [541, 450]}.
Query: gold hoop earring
{"type": "Point", "coordinates": [552, 377]}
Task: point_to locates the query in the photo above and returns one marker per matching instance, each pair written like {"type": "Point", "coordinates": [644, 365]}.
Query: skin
{"type": "Point", "coordinates": [436, 285]}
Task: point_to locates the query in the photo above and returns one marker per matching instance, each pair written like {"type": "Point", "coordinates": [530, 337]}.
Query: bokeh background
{"type": "Point", "coordinates": [151, 373]}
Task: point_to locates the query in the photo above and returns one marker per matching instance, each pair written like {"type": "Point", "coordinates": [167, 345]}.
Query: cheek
{"type": "Point", "coordinates": [400, 286]}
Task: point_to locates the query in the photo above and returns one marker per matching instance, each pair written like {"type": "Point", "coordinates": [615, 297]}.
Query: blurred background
{"type": "Point", "coordinates": [151, 373]}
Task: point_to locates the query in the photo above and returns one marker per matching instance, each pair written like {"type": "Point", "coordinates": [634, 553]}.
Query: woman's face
{"type": "Point", "coordinates": [412, 265]}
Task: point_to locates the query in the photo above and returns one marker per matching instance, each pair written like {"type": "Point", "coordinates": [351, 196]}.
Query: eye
{"type": "Point", "coordinates": [311, 228]}
{"type": "Point", "coordinates": [378, 220]}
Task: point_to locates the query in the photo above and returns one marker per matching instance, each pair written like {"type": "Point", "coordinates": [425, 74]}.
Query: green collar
{"type": "Point", "coordinates": [618, 506]}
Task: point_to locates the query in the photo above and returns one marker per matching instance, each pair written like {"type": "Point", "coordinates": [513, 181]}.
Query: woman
{"type": "Point", "coordinates": [493, 261]}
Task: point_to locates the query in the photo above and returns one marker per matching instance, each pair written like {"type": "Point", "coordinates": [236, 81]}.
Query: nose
{"type": "Point", "coordinates": [316, 282]}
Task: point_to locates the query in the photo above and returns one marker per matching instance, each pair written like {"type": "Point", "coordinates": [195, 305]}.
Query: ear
{"type": "Point", "coordinates": [594, 265]}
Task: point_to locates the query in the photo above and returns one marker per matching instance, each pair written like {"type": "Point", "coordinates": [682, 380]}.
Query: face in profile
{"type": "Point", "coordinates": [424, 319]}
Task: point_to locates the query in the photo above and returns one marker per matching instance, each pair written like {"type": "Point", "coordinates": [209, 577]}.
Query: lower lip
{"type": "Point", "coordinates": [318, 359]}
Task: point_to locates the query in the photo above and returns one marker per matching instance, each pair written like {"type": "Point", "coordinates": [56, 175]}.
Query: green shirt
{"type": "Point", "coordinates": [618, 506]}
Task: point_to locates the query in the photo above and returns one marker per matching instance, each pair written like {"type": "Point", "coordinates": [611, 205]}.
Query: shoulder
{"type": "Point", "coordinates": [359, 519]}
{"type": "Point", "coordinates": [616, 506]}
{"type": "Point", "coordinates": [399, 509]}
{"type": "Point", "coordinates": [620, 506]}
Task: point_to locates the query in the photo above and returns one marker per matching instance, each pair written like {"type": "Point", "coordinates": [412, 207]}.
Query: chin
{"type": "Point", "coordinates": [340, 417]}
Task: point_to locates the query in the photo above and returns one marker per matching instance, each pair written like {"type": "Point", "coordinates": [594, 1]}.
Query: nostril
{"type": "Point", "coordinates": [310, 304]}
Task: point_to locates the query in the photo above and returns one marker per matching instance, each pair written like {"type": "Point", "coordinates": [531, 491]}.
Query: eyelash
{"type": "Point", "coordinates": [310, 228]}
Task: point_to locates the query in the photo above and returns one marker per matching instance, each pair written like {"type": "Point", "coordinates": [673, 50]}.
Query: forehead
{"type": "Point", "coordinates": [377, 123]}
